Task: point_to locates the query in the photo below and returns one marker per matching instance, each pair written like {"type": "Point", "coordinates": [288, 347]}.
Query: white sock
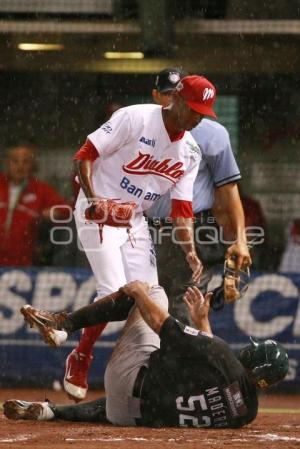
{"type": "Point", "coordinates": [46, 413]}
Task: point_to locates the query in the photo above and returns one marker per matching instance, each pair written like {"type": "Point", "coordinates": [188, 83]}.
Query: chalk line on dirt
{"type": "Point", "coordinates": [279, 410]}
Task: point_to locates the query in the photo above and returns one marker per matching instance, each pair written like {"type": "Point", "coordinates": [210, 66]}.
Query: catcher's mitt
{"type": "Point", "coordinates": [234, 285]}
{"type": "Point", "coordinates": [109, 212]}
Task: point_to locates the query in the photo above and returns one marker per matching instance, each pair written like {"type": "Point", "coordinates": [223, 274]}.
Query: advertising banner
{"type": "Point", "coordinates": [270, 309]}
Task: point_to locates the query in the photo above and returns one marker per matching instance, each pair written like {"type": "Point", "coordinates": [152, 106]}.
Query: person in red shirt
{"type": "Point", "coordinates": [255, 221]}
{"type": "Point", "coordinates": [24, 202]}
{"type": "Point", "coordinates": [254, 215]}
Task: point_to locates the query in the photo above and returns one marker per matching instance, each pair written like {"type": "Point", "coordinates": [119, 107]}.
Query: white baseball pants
{"type": "Point", "coordinates": [121, 257]}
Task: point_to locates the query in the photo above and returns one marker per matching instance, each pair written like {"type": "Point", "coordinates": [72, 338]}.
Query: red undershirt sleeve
{"type": "Point", "coordinates": [182, 209]}
{"type": "Point", "coordinates": [87, 151]}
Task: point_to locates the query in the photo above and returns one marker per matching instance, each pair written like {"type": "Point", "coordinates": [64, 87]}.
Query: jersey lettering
{"type": "Point", "coordinates": [194, 421]}
{"type": "Point", "coordinates": [131, 188]}
{"type": "Point", "coordinates": [190, 330]}
{"type": "Point", "coordinates": [189, 420]}
{"type": "Point", "coordinates": [146, 164]}
{"type": "Point", "coordinates": [191, 403]}
{"type": "Point", "coordinates": [211, 391]}
{"type": "Point", "coordinates": [137, 191]}
{"type": "Point", "coordinates": [211, 403]}
{"type": "Point", "coordinates": [215, 399]}
{"type": "Point", "coordinates": [146, 141]}
{"type": "Point", "coordinates": [216, 407]}
{"type": "Point", "coordinates": [151, 196]}
{"type": "Point", "coordinates": [107, 128]}
{"type": "Point", "coordinates": [235, 400]}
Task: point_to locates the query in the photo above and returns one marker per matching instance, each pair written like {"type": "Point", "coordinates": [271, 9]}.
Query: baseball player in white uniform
{"type": "Point", "coordinates": [138, 155]}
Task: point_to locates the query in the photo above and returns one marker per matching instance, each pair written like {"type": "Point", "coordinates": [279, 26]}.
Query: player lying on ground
{"type": "Point", "coordinates": [161, 372]}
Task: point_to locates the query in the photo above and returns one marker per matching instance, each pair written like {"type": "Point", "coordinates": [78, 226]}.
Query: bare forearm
{"type": "Point", "coordinates": [203, 325]}
{"type": "Point", "coordinates": [184, 232]}
{"type": "Point", "coordinates": [84, 172]}
{"type": "Point", "coordinates": [237, 218]}
{"type": "Point", "coordinates": [229, 213]}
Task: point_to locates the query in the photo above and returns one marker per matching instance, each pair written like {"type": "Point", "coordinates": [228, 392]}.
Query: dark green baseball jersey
{"type": "Point", "coordinates": [195, 380]}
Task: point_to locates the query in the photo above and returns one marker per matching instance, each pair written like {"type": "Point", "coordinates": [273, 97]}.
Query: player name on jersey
{"type": "Point", "coordinates": [216, 407]}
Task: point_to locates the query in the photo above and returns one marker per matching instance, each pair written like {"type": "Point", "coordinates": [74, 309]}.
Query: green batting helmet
{"type": "Point", "coordinates": [266, 361]}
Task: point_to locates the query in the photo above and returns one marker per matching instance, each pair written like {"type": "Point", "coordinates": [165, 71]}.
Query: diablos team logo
{"type": "Point", "coordinates": [144, 164]}
{"type": "Point", "coordinates": [208, 93]}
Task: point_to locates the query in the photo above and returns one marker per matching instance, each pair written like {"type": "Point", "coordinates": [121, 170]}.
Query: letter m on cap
{"type": "Point", "coordinates": [208, 93]}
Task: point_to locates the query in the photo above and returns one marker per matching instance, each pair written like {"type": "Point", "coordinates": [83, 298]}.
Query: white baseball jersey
{"type": "Point", "coordinates": [138, 161]}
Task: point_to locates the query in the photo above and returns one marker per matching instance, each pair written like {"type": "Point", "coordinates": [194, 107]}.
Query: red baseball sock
{"type": "Point", "coordinates": [89, 337]}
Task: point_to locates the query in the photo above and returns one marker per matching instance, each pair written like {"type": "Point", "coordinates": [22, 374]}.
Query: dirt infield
{"type": "Point", "coordinates": [277, 426]}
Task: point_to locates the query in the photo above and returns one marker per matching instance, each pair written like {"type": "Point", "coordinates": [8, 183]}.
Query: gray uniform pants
{"type": "Point", "coordinates": [131, 352]}
{"type": "Point", "coordinates": [174, 272]}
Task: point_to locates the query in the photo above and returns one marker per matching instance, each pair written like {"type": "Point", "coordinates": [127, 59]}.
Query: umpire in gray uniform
{"type": "Point", "coordinates": [219, 215]}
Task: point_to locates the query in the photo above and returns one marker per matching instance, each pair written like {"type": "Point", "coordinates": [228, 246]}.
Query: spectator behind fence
{"type": "Point", "coordinates": [254, 215]}
{"type": "Point", "coordinates": [25, 202]}
{"type": "Point", "coordinates": [256, 226]}
{"type": "Point", "coordinates": [290, 260]}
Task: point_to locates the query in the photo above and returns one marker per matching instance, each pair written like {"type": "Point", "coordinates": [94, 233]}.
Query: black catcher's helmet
{"type": "Point", "coordinates": [266, 361]}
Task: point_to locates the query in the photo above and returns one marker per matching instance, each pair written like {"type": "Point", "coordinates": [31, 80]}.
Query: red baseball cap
{"type": "Point", "coordinates": [198, 93]}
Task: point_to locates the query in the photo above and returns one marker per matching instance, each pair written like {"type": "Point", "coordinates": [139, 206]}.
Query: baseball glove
{"type": "Point", "coordinates": [233, 287]}
{"type": "Point", "coordinates": [109, 212]}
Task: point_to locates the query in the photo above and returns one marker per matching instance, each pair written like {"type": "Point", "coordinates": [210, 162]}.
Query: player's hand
{"type": "Point", "coordinates": [195, 265]}
{"type": "Point", "coordinates": [197, 304]}
{"type": "Point", "coordinates": [240, 252]}
{"type": "Point", "coordinates": [92, 206]}
{"type": "Point", "coordinates": [136, 288]}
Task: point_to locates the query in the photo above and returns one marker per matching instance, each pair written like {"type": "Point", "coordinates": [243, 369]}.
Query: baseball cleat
{"type": "Point", "coordinates": [75, 380]}
{"type": "Point", "coordinates": [50, 325]}
{"type": "Point", "coordinates": [16, 409]}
